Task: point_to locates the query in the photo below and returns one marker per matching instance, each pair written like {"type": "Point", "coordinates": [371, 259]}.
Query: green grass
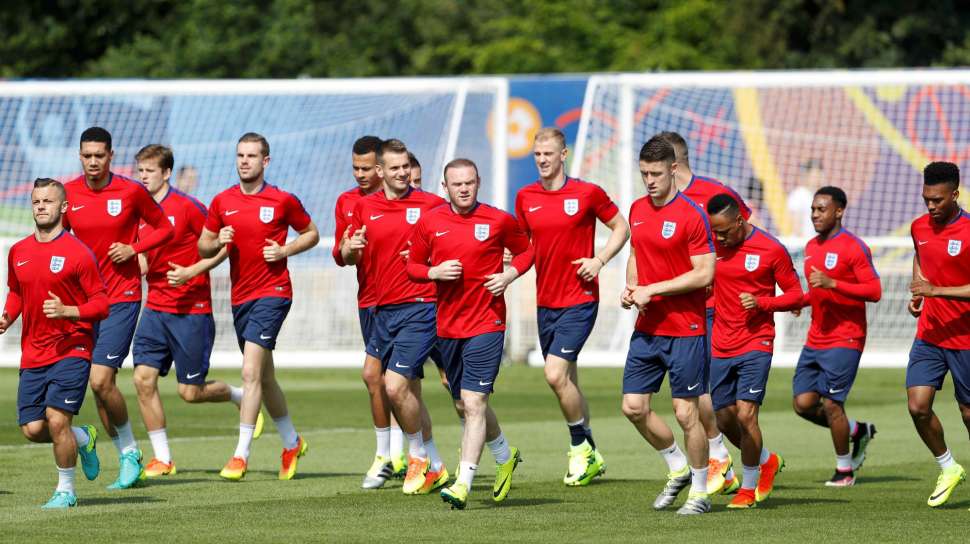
{"type": "Point", "coordinates": [325, 503]}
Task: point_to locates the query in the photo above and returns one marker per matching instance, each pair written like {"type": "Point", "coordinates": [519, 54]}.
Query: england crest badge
{"type": "Point", "coordinates": [751, 262]}
{"type": "Point", "coordinates": [571, 206]}
{"type": "Point", "coordinates": [57, 264]}
{"type": "Point", "coordinates": [412, 216]}
{"type": "Point", "coordinates": [114, 207]}
{"type": "Point", "coordinates": [831, 259]}
{"type": "Point", "coordinates": [669, 228]}
{"type": "Point", "coordinates": [266, 213]}
{"type": "Point", "coordinates": [481, 232]}
{"type": "Point", "coordinates": [953, 247]}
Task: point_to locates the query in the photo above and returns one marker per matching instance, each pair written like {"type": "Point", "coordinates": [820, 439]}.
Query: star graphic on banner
{"type": "Point", "coordinates": [707, 133]}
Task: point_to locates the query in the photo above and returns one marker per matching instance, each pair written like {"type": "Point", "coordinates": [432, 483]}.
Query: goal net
{"type": "Point", "coordinates": [775, 138]}
{"type": "Point", "coordinates": [311, 126]}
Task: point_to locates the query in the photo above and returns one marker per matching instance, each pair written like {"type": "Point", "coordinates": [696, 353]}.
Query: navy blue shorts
{"type": "Point", "coordinates": [652, 357]}
{"type": "Point", "coordinates": [60, 385]}
{"type": "Point", "coordinates": [403, 337]}
{"type": "Point", "coordinates": [436, 357]}
{"type": "Point", "coordinates": [259, 321]}
{"type": "Point", "coordinates": [114, 333]}
{"type": "Point", "coordinates": [563, 331]}
{"type": "Point", "coordinates": [472, 363]}
{"type": "Point", "coordinates": [186, 339]}
{"type": "Point", "coordinates": [366, 317]}
{"type": "Point", "coordinates": [828, 372]}
{"type": "Point", "coordinates": [743, 377]}
{"type": "Point", "coordinates": [929, 363]}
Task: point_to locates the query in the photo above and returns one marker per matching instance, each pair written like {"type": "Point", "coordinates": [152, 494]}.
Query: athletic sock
{"type": "Point", "coordinates": [853, 427]}
{"type": "Point", "coordinates": [434, 460]}
{"type": "Point", "coordinates": [126, 438]}
{"type": "Point", "coordinates": [235, 394]}
{"type": "Point", "coordinates": [159, 441]}
{"type": "Point", "coordinates": [577, 433]}
{"type": "Point", "coordinates": [81, 436]}
{"type": "Point", "coordinates": [675, 459]}
{"type": "Point", "coordinates": [717, 448]}
{"type": "Point", "coordinates": [65, 479]}
{"type": "Point", "coordinates": [946, 460]}
{"type": "Point", "coordinates": [245, 439]}
{"type": "Point", "coordinates": [416, 446]}
{"type": "Point", "coordinates": [698, 480]}
{"type": "Point", "coordinates": [765, 455]}
{"type": "Point", "coordinates": [284, 426]}
{"type": "Point", "coordinates": [589, 435]}
{"type": "Point", "coordinates": [843, 463]}
{"type": "Point", "coordinates": [500, 449]}
{"type": "Point", "coordinates": [383, 441]}
{"type": "Point", "coordinates": [729, 475]}
{"type": "Point", "coordinates": [749, 476]}
{"type": "Point", "coordinates": [397, 442]}
{"type": "Point", "coordinates": [466, 474]}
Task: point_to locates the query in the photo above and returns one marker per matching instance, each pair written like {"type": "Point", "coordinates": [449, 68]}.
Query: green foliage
{"type": "Point", "coordinates": [328, 38]}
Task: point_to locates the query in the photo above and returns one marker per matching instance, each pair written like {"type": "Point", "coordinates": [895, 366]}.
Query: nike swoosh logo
{"type": "Point", "coordinates": [534, 208]}
{"type": "Point", "coordinates": [753, 392]}
{"type": "Point", "coordinates": [21, 263]}
{"type": "Point", "coordinates": [693, 387]}
{"type": "Point", "coordinates": [834, 391]}
{"type": "Point", "coordinates": [66, 401]}
{"type": "Point", "coordinates": [231, 212]}
{"type": "Point", "coordinates": [350, 214]}
{"type": "Point", "coordinates": [938, 495]}
{"type": "Point", "coordinates": [441, 233]}
{"type": "Point", "coordinates": [923, 242]}
{"type": "Point", "coordinates": [637, 223]}
{"type": "Point", "coordinates": [196, 375]}
{"type": "Point", "coordinates": [807, 257]}
{"type": "Point", "coordinates": [376, 217]}
{"type": "Point", "coordinates": [564, 350]}
{"type": "Point", "coordinates": [399, 365]}
{"type": "Point", "coordinates": [112, 357]}
{"type": "Point", "coordinates": [501, 486]}
{"type": "Point", "coordinates": [483, 384]}
{"type": "Point", "coordinates": [720, 258]}
{"type": "Point", "coordinates": [76, 208]}
{"type": "Point", "coordinates": [261, 337]}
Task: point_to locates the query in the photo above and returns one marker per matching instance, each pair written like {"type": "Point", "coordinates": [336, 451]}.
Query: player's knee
{"type": "Point", "coordinates": [686, 414]}
{"type": "Point", "coordinates": [372, 377]}
{"type": "Point", "coordinates": [748, 416]}
{"type": "Point", "coordinates": [833, 409]}
{"type": "Point", "coordinates": [802, 406]}
{"type": "Point", "coordinates": [919, 409]}
{"type": "Point", "coordinates": [190, 393]}
{"type": "Point", "coordinates": [34, 431]}
{"type": "Point", "coordinates": [556, 377]}
{"type": "Point", "coordinates": [144, 385]}
{"type": "Point", "coordinates": [397, 390]}
{"type": "Point", "coordinates": [102, 386]}
{"type": "Point", "coordinates": [251, 375]}
{"type": "Point", "coordinates": [635, 411]}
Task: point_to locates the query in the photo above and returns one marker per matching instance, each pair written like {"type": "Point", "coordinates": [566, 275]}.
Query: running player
{"type": "Point", "coordinates": [389, 459]}
{"type": "Point", "coordinates": [251, 220]}
{"type": "Point", "coordinates": [460, 247]}
{"type": "Point", "coordinates": [700, 189]}
{"type": "Point", "coordinates": [559, 214]}
{"type": "Point", "coordinates": [54, 281]}
{"type": "Point", "coordinates": [841, 279]}
{"type": "Point", "coordinates": [671, 264]}
{"type": "Point", "coordinates": [941, 301]}
{"type": "Point", "coordinates": [176, 324]}
{"type": "Point", "coordinates": [405, 317]}
{"type": "Point", "coordinates": [750, 262]}
{"type": "Point", "coordinates": [104, 213]}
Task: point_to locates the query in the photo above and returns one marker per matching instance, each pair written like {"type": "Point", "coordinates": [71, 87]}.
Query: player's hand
{"type": "Point", "coordinates": [497, 283]}
{"type": "Point", "coordinates": [916, 306]}
{"type": "Point", "coordinates": [407, 252]}
{"type": "Point", "coordinates": [178, 274]}
{"type": "Point", "coordinates": [626, 297]}
{"type": "Point", "coordinates": [748, 302]}
{"type": "Point", "coordinates": [53, 307]}
{"type": "Point", "coordinates": [4, 322]}
{"type": "Point", "coordinates": [922, 288]}
{"type": "Point", "coordinates": [273, 252]}
{"type": "Point", "coordinates": [507, 257]}
{"type": "Point", "coordinates": [119, 253]}
{"type": "Point", "coordinates": [226, 235]}
{"type": "Point", "coordinates": [641, 297]}
{"type": "Point", "coordinates": [589, 268]}
{"type": "Point", "coordinates": [446, 271]}
{"type": "Point", "coordinates": [820, 279]}
{"type": "Point", "coordinates": [358, 240]}
{"type": "Point", "coordinates": [797, 312]}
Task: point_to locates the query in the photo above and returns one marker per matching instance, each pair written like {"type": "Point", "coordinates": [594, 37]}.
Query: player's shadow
{"type": "Point", "coordinates": [298, 476]}
{"type": "Point", "coordinates": [777, 502]}
{"type": "Point", "coordinates": [2, 492]}
{"type": "Point", "coordinates": [126, 499]}
{"type": "Point", "coordinates": [521, 502]}
{"type": "Point", "coordinates": [172, 481]}
{"type": "Point", "coordinates": [885, 478]}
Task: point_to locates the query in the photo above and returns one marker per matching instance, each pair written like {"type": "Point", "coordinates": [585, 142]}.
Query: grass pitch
{"type": "Point", "coordinates": [325, 502]}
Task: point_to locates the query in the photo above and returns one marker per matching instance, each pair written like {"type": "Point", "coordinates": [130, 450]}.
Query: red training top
{"type": "Point", "coordinates": [478, 240]}
{"type": "Point", "coordinates": [944, 258]}
{"type": "Point", "coordinates": [266, 214]}
{"type": "Point", "coordinates": [343, 213]}
{"type": "Point", "coordinates": [66, 267]}
{"type": "Point", "coordinates": [562, 226]}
